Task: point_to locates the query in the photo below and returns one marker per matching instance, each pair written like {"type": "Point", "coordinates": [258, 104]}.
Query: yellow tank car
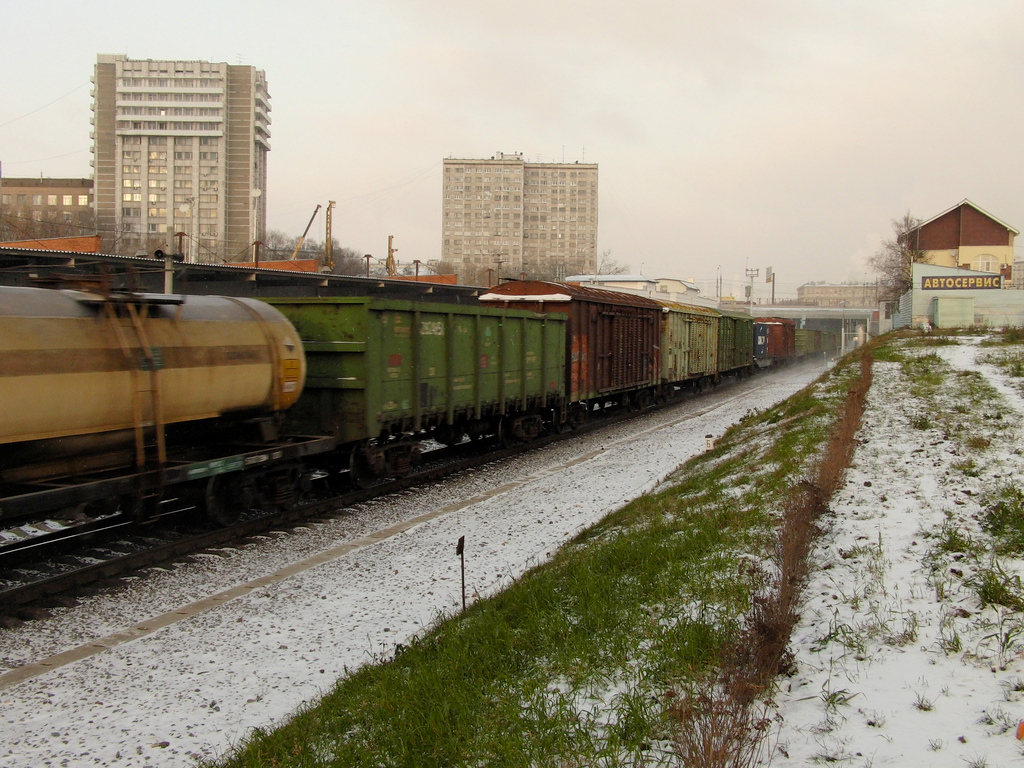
{"type": "Point", "coordinates": [80, 372]}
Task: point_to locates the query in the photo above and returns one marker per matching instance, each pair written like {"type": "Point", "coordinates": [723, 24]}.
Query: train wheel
{"type": "Point", "coordinates": [223, 501]}
{"type": "Point", "coordinates": [359, 469]}
{"type": "Point", "coordinates": [579, 414]}
{"type": "Point", "coordinates": [505, 437]}
{"type": "Point", "coordinates": [557, 425]}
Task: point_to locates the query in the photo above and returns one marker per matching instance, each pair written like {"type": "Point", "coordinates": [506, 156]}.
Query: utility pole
{"type": "Point", "coordinates": [328, 242]}
{"type": "Point", "coordinates": [392, 268]}
{"type": "Point", "coordinates": [751, 274]}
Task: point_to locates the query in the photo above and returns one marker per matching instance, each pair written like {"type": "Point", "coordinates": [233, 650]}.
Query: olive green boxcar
{"type": "Point", "coordinates": [735, 342]}
{"type": "Point", "coordinates": [689, 343]}
{"type": "Point", "coordinates": [378, 368]}
{"type": "Point", "coordinates": [814, 342]}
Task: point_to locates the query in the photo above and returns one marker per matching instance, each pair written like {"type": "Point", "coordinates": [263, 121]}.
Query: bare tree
{"type": "Point", "coordinates": [347, 261]}
{"type": "Point", "coordinates": [606, 265]}
{"type": "Point", "coordinates": [895, 258]}
{"type": "Point", "coordinates": [444, 267]}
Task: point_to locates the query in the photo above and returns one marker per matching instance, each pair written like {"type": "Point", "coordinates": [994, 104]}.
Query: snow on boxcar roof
{"type": "Point", "coordinates": [540, 290]}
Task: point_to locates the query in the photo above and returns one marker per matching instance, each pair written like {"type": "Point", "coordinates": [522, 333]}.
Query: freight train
{"type": "Point", "coordinates": [112, 402]}
{"type": "Point", "coordinates": [777, 341]}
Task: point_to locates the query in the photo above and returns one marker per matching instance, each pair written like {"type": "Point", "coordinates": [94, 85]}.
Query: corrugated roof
{"type": "Point", "coordinates": [538, 289]}
{"type": "Point", "coordinates": [700, 309]}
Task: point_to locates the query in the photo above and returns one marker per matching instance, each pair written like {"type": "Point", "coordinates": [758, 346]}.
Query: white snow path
{"type": "Point", "coordinates": [199, 685]}
{"type": "Point", "coordinates": [875, 684]}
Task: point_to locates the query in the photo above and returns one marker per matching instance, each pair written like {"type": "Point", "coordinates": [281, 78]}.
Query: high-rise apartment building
{"type": "Point", "coordinates": [180, 147]}
{"type": "Point", "coordinates": [504, 216]}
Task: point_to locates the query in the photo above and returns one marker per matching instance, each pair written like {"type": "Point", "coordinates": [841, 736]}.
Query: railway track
{"type": "Point", "coordinates": [54, 563]}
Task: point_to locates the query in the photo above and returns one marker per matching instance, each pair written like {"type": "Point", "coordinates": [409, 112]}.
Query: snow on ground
{"type": "Point", "coordinates": [898, 664]}
{"type": "Point", "coordinates": [170, 673]}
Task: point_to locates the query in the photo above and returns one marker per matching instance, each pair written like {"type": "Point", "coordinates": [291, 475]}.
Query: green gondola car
{"type": "Point", "coordinates": [385, 374]}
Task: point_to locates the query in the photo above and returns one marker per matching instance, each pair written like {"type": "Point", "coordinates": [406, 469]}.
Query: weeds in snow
{"type": "Point", "coordinates": [922, 703]}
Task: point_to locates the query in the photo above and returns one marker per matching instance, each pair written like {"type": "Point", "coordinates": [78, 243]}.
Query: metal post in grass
{"type": "Point", "coordinates": [460, 550]}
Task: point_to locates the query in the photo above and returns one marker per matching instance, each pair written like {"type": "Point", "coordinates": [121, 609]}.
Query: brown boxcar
{"type": "Point", "coordinates": [774, 341]}
{"type": "Point", "coordinates": [612, 339]}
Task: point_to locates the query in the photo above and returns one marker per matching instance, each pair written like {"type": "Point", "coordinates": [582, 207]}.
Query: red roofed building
{"type": "Point", "coordinates": [967, 237]}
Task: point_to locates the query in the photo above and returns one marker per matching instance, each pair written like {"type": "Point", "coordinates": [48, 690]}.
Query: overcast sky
{"type": "Point", "coordinates": [729, 134]}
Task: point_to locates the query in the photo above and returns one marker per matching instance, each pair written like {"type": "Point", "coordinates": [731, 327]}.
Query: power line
{"type": "Point", "coordinates": [44, 159]}
{"type": "Point", "coordinates": [76, 88]}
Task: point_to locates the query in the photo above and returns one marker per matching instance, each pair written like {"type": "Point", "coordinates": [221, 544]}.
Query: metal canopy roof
{"type": "Point", "coordinates": [28, 266]}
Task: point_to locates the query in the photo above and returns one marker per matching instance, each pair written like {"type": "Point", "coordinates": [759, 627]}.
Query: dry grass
{"type": "Point", "coordinates": [723, 721]}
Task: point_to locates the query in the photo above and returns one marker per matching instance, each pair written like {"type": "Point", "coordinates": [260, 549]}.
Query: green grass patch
{"type": "Point", "coordinates": [994, 585]}
{"type": "Point", "coordinates": [1010, 336]}
{"type": "Point", "coordinates": [1003, 518]}
{"type": "Point", "coordinates": [576, 663]}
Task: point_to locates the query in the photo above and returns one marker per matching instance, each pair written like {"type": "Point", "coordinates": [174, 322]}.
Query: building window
{"type": "Point", "coordinates": [68, 199]}
{"type": "Point", "coordinates": [83, 200]}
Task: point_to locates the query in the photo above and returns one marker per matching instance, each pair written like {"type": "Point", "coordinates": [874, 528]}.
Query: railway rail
{"type": "Point", "coordinates": [105, 549]}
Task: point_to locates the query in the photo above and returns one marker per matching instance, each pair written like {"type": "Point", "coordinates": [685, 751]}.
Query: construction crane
{"type": "Point", "coordinates": [391, 266]}
{"type": "Point", "coordinates": [303, 238]}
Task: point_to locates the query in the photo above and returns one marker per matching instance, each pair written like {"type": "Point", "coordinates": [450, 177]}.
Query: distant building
{"type": "Point", "coordinates": [967, 237]}
{"type": "Point", "coordinates": [666, 288]}
{"type": "Point", "coordinates": [838, 294]}
{"type": "Point", "coordinates": [180, 146]}
{"type": "Point", "coordinates": [507, 216]}
{"type": "Point", "coordinates": [45, 208]}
